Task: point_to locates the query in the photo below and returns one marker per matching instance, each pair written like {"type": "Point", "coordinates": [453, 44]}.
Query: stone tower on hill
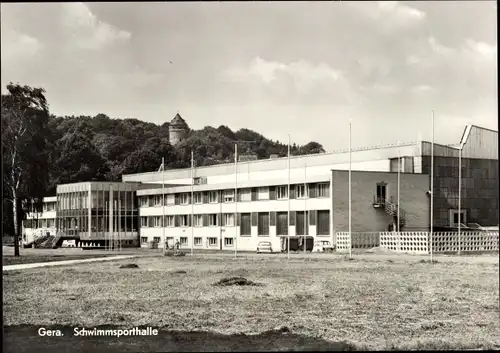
{"type": "Point", "coordinates": [177, 130]}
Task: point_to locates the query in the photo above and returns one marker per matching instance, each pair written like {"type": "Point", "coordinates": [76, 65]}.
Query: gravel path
{"type": "Point", "coordinates": [63, 262]}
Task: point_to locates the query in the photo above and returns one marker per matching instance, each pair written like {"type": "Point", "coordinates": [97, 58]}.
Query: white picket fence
{"type": "Point", "coordinates": [419, 242]}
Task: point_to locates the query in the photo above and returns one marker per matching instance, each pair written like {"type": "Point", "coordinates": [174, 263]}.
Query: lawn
{"type": "Point", "coordinates": [369, 304]}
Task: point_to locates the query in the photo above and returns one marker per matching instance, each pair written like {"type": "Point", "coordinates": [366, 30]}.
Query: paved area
{"type": "Point", "coordinates": [64, 262]}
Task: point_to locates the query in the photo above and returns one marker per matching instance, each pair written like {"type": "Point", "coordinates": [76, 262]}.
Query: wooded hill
{"type": "Point", "coordinates": [42, 150]}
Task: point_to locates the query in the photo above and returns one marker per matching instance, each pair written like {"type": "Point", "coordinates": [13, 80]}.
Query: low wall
{"type": "Point", "coordinates": [420, 242]}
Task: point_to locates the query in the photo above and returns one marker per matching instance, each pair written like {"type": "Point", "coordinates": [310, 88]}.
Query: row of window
{"type": "Point", "coordinates": [197, 241]}
{"type": "Point", "coordinates": [298, 191]}
{"type": "Point", "coordinates": [262, 220]}
{"type": "Point", "coordinates": [98, 199]}
{"type": "Point", "coordinates": [41, 223]}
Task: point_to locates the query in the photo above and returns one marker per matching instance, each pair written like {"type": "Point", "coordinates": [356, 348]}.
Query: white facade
{"type": "Point", "coordinates": [41, 223]}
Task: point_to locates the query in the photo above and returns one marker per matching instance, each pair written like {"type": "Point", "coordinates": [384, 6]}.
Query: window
{"type": "Point", "coordinates": [454, 217]}
{"type": "Point", "coordinates": [263, 193]}
{"type": "Point", "coordinates": [144, 222]}
{"type": "Point", "coordinates": [228, 219]}
{"type": "Point", "coordinates": [144, 240]}
{"type": "Point", "coordinates": [157, 221]}
{"type": "Point", "coordinates": [228, 241]}
{"type": "Point", "coordinates": [198, 197]}
{"type": "Point", "coordinates": [199, 180]}
{"type": "Point", "coordinates": [198, 220]}
{"type": "Point", "coordinates": [143, 201]}
{"type": "Point", "coordinates": [183, 220]}
{"type": "Point", "coordinates": [170, 241]}
{"type": "Point", "coordinates": [323, 226]}
{"type": "Point", "coordinates": [301, 194]}
{"type": "Point", "coordinates": [51, 223]}
{"type": "Point", "coordinates": [184, 241]}
{"type": "Point", "coordinates": [170, 199]}
{"type": "Point", "coordinates": [228, 195]}
{"type": "Point", "coordinates": [323, 190]}
{"type": "Point", "coordinates": [263, 226]}
{"type": "Point", "coordinates": [170, 221]}
{"type": "Point", "coordinates": [212, 197]}
{"type": "Point", "coordinates": [245, 195]}
{"type": "Point", "coordinates": [301, 224]}
{"type": "Point", "coordinates": [212, 219]}
{"type": "Point", "coordinates": [157, 200]}
{"type": "Point", "coordinates": [184, 199]}
{"type": "Point", "coordinates": [197, 241]}
{"type": "Point", "coordinates": [245, 226]}
{"type": "Point", "coordinates": [212, 241]}
{"type": "Point", "coordinates": [282, 192]}
{"type": "Point", "coordinates": [156, 239]}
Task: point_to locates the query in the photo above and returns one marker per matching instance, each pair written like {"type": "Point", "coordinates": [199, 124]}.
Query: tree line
{"type": "Point", "coordinates": [41, 150]}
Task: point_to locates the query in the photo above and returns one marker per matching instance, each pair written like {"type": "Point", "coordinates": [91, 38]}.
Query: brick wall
{"type": "Point", "coordinates": [365, 218]}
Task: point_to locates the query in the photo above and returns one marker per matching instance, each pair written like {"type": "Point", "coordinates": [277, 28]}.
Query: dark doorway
{"type": "Point", "coordinates": [381, 192]}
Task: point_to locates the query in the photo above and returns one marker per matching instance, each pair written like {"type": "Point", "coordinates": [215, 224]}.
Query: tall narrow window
{"type": "Point", "coordinates": [246, 228]}
{"type": "Point", "coordinates": [323, 226]}
{"type": "Point", "coordinates": [263, 226]}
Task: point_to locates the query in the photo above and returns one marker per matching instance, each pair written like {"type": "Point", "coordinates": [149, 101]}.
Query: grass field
{"type": "Point", "coordinates": [370, 304]}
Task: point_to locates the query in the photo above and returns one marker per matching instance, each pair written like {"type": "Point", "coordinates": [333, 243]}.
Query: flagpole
{"type": "Point", "coordinates": [192, 203]}
{"type": "Point", "coordinates": [305, 205]}
{"type": "Point", "coordinates": [163, 203]}
{"type": "Point", "coordinates": [459, 195]}
{"type": "Point", "coordinates": [288, 232]}
{"type": "Point", "coordinates": [118, 222]}
{"type": "Point", "coordinates": [235, 200]}
{"type": "Point", "coordinates": [106, 231]}
{"type": "Point", "coordinates": [399, 186]}
{"type": "Point", "coordinates": [350, 195]}
{"type": "Point", "coordinates": [432, 186]}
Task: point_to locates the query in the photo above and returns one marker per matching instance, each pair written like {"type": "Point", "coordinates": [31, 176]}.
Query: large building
{"type": "Point", "coordinates": [227, 206]}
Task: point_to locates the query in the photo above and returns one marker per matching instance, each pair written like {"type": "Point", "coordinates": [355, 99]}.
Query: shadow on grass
{"type": "Point", "coordinates": [25, 338]}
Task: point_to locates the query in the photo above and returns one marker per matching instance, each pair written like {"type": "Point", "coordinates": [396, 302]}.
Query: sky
{"type": "Point", "coordinates": [304, 69]}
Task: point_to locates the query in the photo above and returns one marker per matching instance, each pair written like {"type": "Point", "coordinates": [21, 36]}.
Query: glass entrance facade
{"type": "Point", "coordinates": [98, 214]}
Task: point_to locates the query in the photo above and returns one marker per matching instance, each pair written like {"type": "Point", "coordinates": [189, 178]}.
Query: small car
{"type": "Point", "coordinates": [322, 246]}
{"type": "Point", "coordinates": [264, 246]}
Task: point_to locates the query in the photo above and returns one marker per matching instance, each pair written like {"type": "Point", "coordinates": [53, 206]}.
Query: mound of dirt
{"type": "Point", "coordinates": [179, 271]}
{"type": "Point", "coordinates": [129, 266]}
{"type": "Point", "coordinates": [235, 281]}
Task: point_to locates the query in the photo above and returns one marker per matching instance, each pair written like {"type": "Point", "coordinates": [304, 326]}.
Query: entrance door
{"type": "Point", "coordinates": [381, 192]}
